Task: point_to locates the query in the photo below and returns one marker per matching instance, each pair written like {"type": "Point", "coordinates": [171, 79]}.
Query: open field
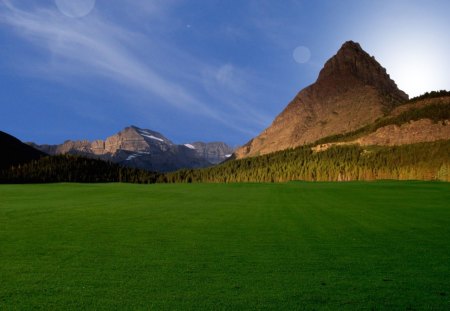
{"type": "Point", "coordinates": [382, 245]}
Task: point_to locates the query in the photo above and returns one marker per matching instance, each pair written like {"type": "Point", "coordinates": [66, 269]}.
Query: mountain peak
{"type": "Point", "coordinates": [351, 45]}
{"type": "Point", "coordinates": [150, 137]}
{"type": "Point", "coordinates": [352, 90]}
{"type": "Point", "coordinates": [352, 65]}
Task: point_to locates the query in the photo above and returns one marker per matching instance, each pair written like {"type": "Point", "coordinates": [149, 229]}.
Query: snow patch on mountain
{"type": "Point", "coordinates": [153, 137]}
{"type": "Point", "coordinates": [189, 146]}
{"type": "Point", "coordinates": [132, 156]}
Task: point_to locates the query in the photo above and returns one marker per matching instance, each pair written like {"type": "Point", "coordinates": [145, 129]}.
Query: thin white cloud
{"type": "Point", "coordinates": [95, 45]}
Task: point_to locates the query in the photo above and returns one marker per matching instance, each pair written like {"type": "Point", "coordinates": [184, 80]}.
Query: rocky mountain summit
{"type": "Point", "coordinates": [143, 148]}
{"type": "Point", "coordinates": [352, 90]}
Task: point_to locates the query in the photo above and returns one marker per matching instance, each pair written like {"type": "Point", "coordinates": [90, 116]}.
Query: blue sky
{"type": "Point", "coordinates": [208, 70]}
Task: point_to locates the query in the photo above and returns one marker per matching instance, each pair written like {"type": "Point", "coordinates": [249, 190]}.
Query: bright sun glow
{"type": "Point", "coordinates": [417, 67]}
{"type": "Point", "coordinates": [415, 53]}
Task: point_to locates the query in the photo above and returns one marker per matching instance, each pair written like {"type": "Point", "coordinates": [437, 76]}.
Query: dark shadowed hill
{"type": "Point", "coordinates": [14, 152]}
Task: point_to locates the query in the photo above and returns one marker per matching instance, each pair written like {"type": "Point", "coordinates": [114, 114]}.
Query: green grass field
{"type": "Point", "coordinates": [382, 245]}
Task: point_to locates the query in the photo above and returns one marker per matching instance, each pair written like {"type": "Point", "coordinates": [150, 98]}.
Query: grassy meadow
{"type": "Point", "coordinates": [298, 245]}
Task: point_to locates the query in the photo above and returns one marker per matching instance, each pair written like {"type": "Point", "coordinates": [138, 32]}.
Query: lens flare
{"type": "Point", "coordinates": [75, 8]}
{"type": "Point", "coordinates": [301, 54]}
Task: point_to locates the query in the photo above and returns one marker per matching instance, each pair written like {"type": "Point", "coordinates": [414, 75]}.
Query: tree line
{"type": "Point", "coordinates": [423, 161]}
{"type": "Point", "coordinates": [432, 94]}
{"type": "Point", "coordinates": [71, 168]}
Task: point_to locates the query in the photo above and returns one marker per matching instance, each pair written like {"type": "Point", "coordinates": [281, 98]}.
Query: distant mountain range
{"type": "Point", "coordinates": [144, 149]}
{"type": "Point", "coordinates": [345, 126]}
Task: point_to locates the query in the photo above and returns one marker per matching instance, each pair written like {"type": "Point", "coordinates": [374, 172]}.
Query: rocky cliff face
{"type": "Point", "coordinates": [142, 148]}
{"type": "Point", "coordinates": [352, 90]}
{"type": "Point", "coordinates": [214, 152]}
{"type": "Point", "coordinates": [412, 125]}
{"type": "Point", "coordinates": [423, 130]}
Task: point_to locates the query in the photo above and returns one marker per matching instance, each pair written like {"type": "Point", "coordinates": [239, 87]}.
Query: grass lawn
{"type": "Point", "coordinates": [381, 245]}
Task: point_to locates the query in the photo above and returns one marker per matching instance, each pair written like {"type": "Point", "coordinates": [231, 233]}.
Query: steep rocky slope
{"type": "Point", "coordinates": [424, 120]}
{"type": "Point", "coordinates": [214, 152]}
{"type": "Point", "coordinates": [352, 90]}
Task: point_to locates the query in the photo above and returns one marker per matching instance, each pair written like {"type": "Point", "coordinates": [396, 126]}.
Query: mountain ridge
{"type": "Point", "coordinates": [144, 149]}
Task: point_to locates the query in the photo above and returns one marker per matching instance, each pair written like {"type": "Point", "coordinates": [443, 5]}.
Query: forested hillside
{"type": "Point", "coordinates": [424, 161]}
{"type": "Point", "coordinates": [68, 168]}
